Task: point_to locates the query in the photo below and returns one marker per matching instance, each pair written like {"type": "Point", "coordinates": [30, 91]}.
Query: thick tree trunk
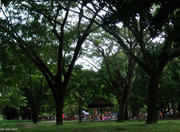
{"type": "Point", "coordinates": [123, 101]}
{"type": "Point", "coordinates": [152, 109]}
{"type": "Point", "coordinates": [59, 112]}
{"type": "Point", "coordinates": [58, 92]}
{"type": "Point", "coordinates": [35, 107]}
{"type": "Point", "coordinates": [121, 112]}
{"type": "Point", "coordinates": [35, 115]}
{"type": "Point", "coordinates": [59, 105]}
{"type": "Point", "coordinates": [178, 107]}
{"type": "Point", "coordinates": [126, 113]}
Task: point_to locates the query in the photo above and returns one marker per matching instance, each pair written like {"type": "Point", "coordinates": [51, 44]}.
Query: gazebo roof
{"type": "Point", "coordinates": [100, 102]}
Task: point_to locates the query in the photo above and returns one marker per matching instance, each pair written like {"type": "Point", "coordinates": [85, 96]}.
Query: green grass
{"type": "Point", "coordinates": [112, 126]}
{"type": "Point", "coordinates": [14, 121]}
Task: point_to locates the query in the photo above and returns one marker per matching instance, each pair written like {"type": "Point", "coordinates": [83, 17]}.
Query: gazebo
{"type": "Point", "coordinates": [100, 102]}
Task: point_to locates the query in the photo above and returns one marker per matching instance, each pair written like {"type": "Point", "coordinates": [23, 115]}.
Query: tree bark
{"type": "Point", "coordinates": [126, 113]}
{"type": "Point", "coordinates": [80, 116]}
{"type": "Point", "coordinates": [35, 115]}
{"type": "Point", "coordinates": [178, 107]}
{"type": "Point", "coordinates": [59, 112]}
{"type": "Point", "coordinates": [59, 100]}
{"type": "Point", "coordinates": [152, 109]}
{"type": "Point", "coordinates": [79, 111]}
{"type": "Point", "coordinates": [123, 101]}
{"type": "Point", "coordinates": [121, 112]}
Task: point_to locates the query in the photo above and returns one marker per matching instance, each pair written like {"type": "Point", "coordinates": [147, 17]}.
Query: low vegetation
{"type": "Point", "coordinates": [110, 126]}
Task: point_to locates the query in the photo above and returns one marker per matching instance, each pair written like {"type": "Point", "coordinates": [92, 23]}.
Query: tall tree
{"type": "Point", "coordinates": [147, 20]}
{"type": "Point", "coordinates": [21, 78]}
{"type": "Point", "coordinates": [11, 96]}
{"type": "Point", "coordinates": [32, 25]}
{"type": "Point", "coordinates": [117, 70]}
{"type": "Point", "coordinates": [33, 87]}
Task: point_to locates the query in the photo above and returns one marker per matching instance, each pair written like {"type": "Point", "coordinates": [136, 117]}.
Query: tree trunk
{"type": "Point", "coordinates": [79, 111]}
{"type": "Point", "coordinates": [133, 111]}
{"type": "Point", "coordinates": [152, 110]}
{"type": "Point", "coordinates": [178, 107]}
{"type": "Point", "coordinates": [121, 112]}
{"type": "Point", "coordinates": [59, 112]}
{"type": "Point", "coordinates": [101, 109]}
{"type": "Point", "coordinates": [35, 107]}
{"type": "Point", "coordinates": [59, 106]}
{"type": "Point", "coordinates": [174, 110]}
{"type": "Point", "coordinates": [126, 113]}
{"type": "Point", "coordinates": [80, 116]}
{"type": "Point", "coordinates": [35, 115]}
{"type": "Point", "coordinates": [123, 101]}
{"type": "Point", "coordinates": [58, 92]}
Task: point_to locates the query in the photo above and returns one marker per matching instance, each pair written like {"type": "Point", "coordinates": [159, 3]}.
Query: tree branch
{"type": "Point", "coordinates": [77, 49]}
{"type": "Point", "coordinates": [60, 66]}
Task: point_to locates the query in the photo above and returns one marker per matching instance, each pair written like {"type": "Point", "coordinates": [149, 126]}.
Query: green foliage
{"type": "Point", "coordinates": [169, 87]}
{"type": "Point", "coordinates": [117, 62]}
{"type": "Point", "coordinates": [12, 96]}
{"type": "Point", "coordinates": [84, 86]}
{"type": "Point", "coordinates": [10, 69]}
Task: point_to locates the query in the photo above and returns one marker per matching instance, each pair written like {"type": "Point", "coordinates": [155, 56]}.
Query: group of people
{"type": "Point", "coordinates": [94, 116]}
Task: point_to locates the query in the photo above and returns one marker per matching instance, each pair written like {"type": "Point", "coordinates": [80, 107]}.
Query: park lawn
{"type": "Point", "coordinates": [108, 126]}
